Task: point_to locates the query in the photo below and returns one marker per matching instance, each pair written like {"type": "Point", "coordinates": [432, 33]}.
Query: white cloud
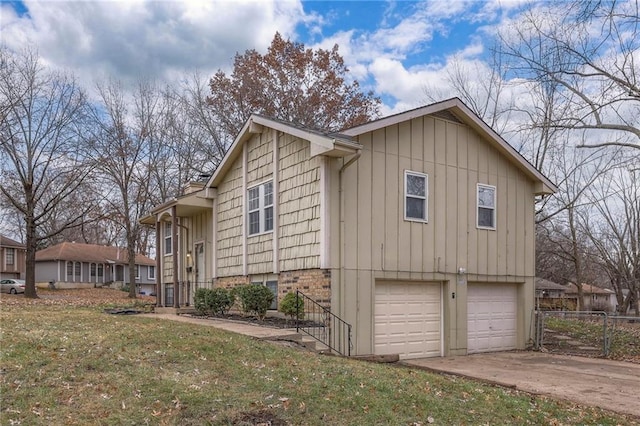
{"type": "Point", "coordinates": [156, 39]}
{"type": "Point", "coordinates": [407, 85]}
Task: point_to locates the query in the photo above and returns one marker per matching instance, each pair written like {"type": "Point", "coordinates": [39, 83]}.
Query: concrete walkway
{"type": "Point", "coordinates": [257, 331]}
{"type": "Point", "coordinates": [612, 385]}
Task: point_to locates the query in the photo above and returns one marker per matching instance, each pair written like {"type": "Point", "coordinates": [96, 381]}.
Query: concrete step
{"type": "Point", "coordinates": [313, 345]}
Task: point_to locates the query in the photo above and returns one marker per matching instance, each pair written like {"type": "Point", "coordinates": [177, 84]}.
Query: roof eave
{"type": "Point", "coordinates": [320, 144]}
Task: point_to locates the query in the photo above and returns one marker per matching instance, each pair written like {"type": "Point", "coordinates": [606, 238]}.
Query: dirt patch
{"type": "Point", "coordinates": [258, 418]}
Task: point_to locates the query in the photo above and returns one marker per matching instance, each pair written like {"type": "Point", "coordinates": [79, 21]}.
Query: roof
{"type": "Point", "coordinates": [542, 284]}
{"type": "Point", "coordinates": [8, 242]}
{"type": "Point", "coordinates": [331, 144]}
{"type": "Point", "coordinates": [185, 204]}
{"type": "Point", "coordinates": [463, 113]}
{"type": "Point", "coordinates": [78, 252]}
{"type": "Point", "coordinates": [588, 289]}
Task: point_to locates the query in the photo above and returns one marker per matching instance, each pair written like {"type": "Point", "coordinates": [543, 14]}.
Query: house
{"type": "Point", "coordinates": [13, 257]}
{"type": "Point", "coordinates": [552, 296]}
{"type": "Point", "coordinates": [416, 229]}
{"type": "Point", "coordinates": [75, 265]}
{"type": "Point", "coordinates": [594, 298]}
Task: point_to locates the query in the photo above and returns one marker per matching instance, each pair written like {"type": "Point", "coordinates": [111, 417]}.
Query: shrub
{"type": "Point", "coordinates": [254, 299]}
{"type": "Point", "coordinates": [200, 301]}
{"type": "Point", "coordinates": [291, 304]}
{"type": "Point", "coordinates": [212, 301]}
{"type": "Point", "coordinates": [219, 301]}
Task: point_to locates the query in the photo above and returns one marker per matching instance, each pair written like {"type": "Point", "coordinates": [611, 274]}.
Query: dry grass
{"type": "Point", "coordinates": [73, 364]}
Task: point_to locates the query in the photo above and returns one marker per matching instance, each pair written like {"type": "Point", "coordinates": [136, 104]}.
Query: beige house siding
{"type": "Point", "coordinates": [229, 226]}
{"type": "Point", "coordinates": [379, 244]}
{"type": "Point", "coordinates": [299, 204]}
{"type": "Point", "coordinates": [298, 208]}
{"type": "Point", "coordinates": [259, 170]}
{"type": "Point", "coordinates": [199, 228]}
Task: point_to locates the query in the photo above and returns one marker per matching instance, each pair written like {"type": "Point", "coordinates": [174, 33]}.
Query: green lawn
{"type": "Point", "coordinates": [77, 365]}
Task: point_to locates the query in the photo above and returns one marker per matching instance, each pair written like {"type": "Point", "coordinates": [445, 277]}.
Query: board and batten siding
{"type": "Point", "coordinates": [229, 222]}
{"type": "Point", "coordinates": [455, 159]}
{"type": "Point", "coordinates": [199, 226]}
{"type": "Point", "coordinates": [378, 244]}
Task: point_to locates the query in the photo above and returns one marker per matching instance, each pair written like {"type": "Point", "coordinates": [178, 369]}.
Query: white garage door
{"type": "Point", "coordinates": [492, 319]}
{"type": "Point", "coordinates": [408, 319]}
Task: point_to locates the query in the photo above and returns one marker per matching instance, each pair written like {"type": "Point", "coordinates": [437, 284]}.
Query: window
{"type": "Point", "coordinates": [151, 272]}
{"type": "Point", "coordinates": [10, 256]}
{"type": "Point", "coordinates": [168, 249]}
{"type": "Point", "coordinates": [100, 270]}
{"type": "Point", "coordinates": [271, 282]}
{"type": "Point", "coordinates": [70, 269]}
{"type": "Point", "coordinates": [137, 272]}
{"type": "Point", "coordinates": [93, 270]}
{"type": "Point", "coordinates": [415, 196]}
{"type": "Point", "coordinates": [273, 286]}
{"type": "Point", "coordinates": [77, 269]}
{"type": "Point", "coordinates": [486, 206]}
{"type": "Point", "coordinates": [260, 208]}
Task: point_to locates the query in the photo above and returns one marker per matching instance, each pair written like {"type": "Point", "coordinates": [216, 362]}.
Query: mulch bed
{"type": "Point", "coordinates": [269, 321]}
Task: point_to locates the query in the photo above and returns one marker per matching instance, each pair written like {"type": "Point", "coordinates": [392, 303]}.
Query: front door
{"type": "Point", "coordinates": [199, 266]}
{"type": "Point", "coordinates": [119, 272]}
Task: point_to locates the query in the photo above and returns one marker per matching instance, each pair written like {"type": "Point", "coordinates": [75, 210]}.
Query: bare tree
{"type": "Point", "coordinates": [121, 148]}
{"type": "Point", "coordinates": [615, 232]}
{"type": "Point", "coordinates": [590, 50]}
{"type": "Point", "coordinates": [561, 233]}
{"type": "Point", "coordinates": [482, 86]}
{"type": "Point", "coordinates": [291, 83]}
{"type": "Point", "coordinates": [41, 134]}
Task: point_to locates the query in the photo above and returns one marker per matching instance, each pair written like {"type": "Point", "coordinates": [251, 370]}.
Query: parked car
{"type": "Point", "coordinates": [12, 286]}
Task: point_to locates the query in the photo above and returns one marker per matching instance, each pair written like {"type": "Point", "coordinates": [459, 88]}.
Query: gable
{"type": "Point", "coordinates": [455, 111]}
{"type": "Point", "coordinates": [328, 144]}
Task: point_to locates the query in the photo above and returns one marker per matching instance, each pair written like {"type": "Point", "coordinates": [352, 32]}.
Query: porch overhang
{"type": "Point", "coordinates": [187, 205]}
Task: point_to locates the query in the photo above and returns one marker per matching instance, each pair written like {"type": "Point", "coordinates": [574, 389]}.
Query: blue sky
{"type": "Point", "coordinates": [395, 48]}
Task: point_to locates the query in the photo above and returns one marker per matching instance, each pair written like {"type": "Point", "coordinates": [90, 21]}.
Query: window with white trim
{"type": "Point", "coordinates": [260, 208]}
{"type": "Point", "coordinates": [10, 256]}
{"type": "Point", "coordinates": [168, 249]}
{"type": "Point", "coordinates": [137, 272]}
{"type": "Point", "coordinates": [415, 196]}
{"type": "Point", "coordinates": [93, 270]}
{"type": "Point", "coordinates": [151, 272]}
{"type": "Point", "coordinates": [486, 206]}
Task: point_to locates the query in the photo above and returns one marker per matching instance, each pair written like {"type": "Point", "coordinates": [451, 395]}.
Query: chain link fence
{"type": "Point", "coordinates": [586, 333]}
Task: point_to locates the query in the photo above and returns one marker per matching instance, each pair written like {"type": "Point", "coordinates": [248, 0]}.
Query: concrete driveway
{"type": "Point", "coordinates": [612, 385]}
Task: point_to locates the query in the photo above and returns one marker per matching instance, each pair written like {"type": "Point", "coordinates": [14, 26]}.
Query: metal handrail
{"type": "Point", "coordinates": [324, 326]}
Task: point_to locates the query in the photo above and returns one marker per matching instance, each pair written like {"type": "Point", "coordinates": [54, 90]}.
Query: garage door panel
{"type": "Point", "coordinates": [408, 319]}
{"type": "Point", "coordinates": [492, 317]}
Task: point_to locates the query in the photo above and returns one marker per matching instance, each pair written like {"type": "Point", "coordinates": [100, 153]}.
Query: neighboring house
{"type": "Point", "coordinates": [594, 298]}
{"type": "Point", "coordinates": [552, 296]}
{"type": "Point", "coordinates": [417, 229]}
{"type": "Point", "coordinates": [13, 257]}
{"type": "Point", "coordinates": [75, 265]}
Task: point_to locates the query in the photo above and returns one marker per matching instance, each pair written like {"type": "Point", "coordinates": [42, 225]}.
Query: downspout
{"type": "Point", "coordinates": [343, 283]}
